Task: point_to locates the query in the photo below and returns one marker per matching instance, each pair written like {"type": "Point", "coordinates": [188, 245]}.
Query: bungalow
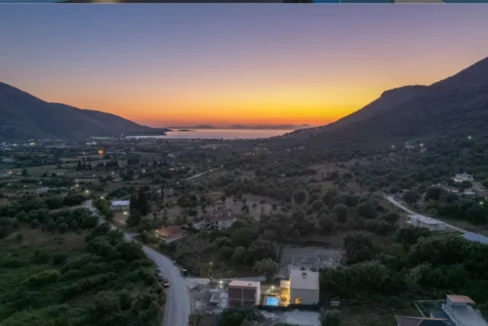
{"type": "Point", "coordinates": [220, 219]}
{"type": "Point", "coordinates": [169, 234]}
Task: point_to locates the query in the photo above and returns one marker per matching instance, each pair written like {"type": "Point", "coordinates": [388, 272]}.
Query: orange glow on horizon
{"type": "Point", "coordinates": [295, 107]}
{"type": "Point", "coordinates": [233, 65]}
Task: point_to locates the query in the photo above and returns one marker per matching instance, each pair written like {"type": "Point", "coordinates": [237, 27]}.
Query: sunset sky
{"type": "Point", "coordinates": [164, 65]}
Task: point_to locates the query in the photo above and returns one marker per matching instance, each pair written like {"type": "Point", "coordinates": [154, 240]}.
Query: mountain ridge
{"type": "Point", "coordinates": [458, 103]}
{"type": "Point", "coordinates": [23, 115]}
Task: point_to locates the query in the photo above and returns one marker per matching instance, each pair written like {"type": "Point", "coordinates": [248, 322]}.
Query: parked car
{"type": "Point", "coordinates": [160, 277]}
{"type": "Point", "coordinates": [166, 283]}
{"type": "Point", "coordinates": [184, 272]}
{"type": "Point", "coordinates": [158, 271]}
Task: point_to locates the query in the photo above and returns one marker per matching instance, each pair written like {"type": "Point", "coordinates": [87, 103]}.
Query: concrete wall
{"type": "Point", "coordinates": [307, 297]}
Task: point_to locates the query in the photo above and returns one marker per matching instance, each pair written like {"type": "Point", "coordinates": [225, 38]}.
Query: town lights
{"type": "Point", "coordinates": [125, 213]}
{"type": "Point", "coordinates": [469, 137]}
{"type": "Point", "coordinates": [100, 152]}
{"type": "Point", "coordinates": [87, 192]}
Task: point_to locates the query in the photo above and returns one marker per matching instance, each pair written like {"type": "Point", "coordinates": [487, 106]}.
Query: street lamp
{"type": "Point", "coordinates": [469, 137]}
{"type": "Point", "coordinates": [87, 192]}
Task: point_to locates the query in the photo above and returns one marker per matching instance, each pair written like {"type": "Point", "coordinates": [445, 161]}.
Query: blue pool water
{"type": "Point", "coordinates": [272, 301]}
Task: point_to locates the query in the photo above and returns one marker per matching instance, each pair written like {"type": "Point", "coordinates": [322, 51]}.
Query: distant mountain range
{"type": "Point", "coordinates": [23, 116]}
{"type": "Point", "coordinates": [245, 126]}
{"type": "Point", "coordinates": [455, 106]}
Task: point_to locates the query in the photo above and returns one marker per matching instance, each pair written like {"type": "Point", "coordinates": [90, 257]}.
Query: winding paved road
{"type": "Point", "coordinates": [200, 174]}
{"type": "Point", "coordinates": [178, 302]}
{"type": "Point", "coordinates": [406, 209]}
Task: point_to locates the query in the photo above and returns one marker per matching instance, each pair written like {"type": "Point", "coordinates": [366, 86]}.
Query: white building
{"type": "Point", "coordinates": [460, 310]}
{"type": "Point", "coordinates": [120, 205]}
{"type": "Point", "coordinates": [469, 192]}
{"type": "Point", "coordinates": [463, 177]}
{"type": "Point", "coordinates": [304, 287]}
{"type": "Point", "coordinates": [220, 219]}
{"type": "Point", "coordinates": [421, 221]}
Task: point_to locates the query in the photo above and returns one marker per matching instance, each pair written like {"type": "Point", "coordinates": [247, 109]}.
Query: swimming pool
{"type": "Point", "coordinates": [272, 301]}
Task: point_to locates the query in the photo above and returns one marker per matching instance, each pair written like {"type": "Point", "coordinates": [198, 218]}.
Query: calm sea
{"type": "Point", "coordinates": [219, 134]}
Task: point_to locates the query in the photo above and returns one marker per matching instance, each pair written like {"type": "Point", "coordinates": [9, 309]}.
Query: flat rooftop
{"type": "Point", "coordinates": [304, 279]}
{"type": "Point", "coordinates": [245, 284]}
{"type": "Point", "coordinates": [466, 314]}
{"type": "Point", "coordinates": [120, 203]}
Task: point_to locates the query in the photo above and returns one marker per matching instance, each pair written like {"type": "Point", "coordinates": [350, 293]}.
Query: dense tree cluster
{"type": "Point", "coordinates": [417, 266]}
{"type": "Point", "coordinates": [37, 214]}
{"type": "Point", "coordinates": [109, 282]}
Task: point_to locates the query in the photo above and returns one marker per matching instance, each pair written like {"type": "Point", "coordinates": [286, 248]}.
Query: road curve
{"type": "Point", "coordinates": [200, 174]}
{"type": "Point", "coordinates": [399, 205]}
{"type": "Point", "coordinates": [178, 303]}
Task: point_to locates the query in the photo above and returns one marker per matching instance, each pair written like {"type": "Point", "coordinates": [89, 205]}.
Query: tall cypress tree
{"type": "Point", "coordinates": [143, 202]}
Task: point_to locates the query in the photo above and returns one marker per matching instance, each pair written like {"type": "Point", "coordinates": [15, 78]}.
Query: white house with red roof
{"type": "Point", "coordinates": [221, 218]}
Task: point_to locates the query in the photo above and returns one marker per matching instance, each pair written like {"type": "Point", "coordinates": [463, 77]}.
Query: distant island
{"type": "Point", "coordinates": [269, 127]}
{"type": "Point", "coordinates": [188, 128]}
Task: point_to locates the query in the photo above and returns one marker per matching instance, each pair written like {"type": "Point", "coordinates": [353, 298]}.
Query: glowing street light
{"type": "Point", "coordinates": [421, 145]}
{"type": "Point", "coordinates": [469, 137]}
{"type": "Point", "coordinates": [87, 192]}
{"type": "Point", "coordinates": [102, 197]}
{"type": "Point", "coordinates": [482, 203]}
{"type": "Point", "coordinates": [125, 213]}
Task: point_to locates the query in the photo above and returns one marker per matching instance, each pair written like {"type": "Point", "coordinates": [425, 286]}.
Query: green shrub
{"type": "Point", "coordinates": [44, 277]}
